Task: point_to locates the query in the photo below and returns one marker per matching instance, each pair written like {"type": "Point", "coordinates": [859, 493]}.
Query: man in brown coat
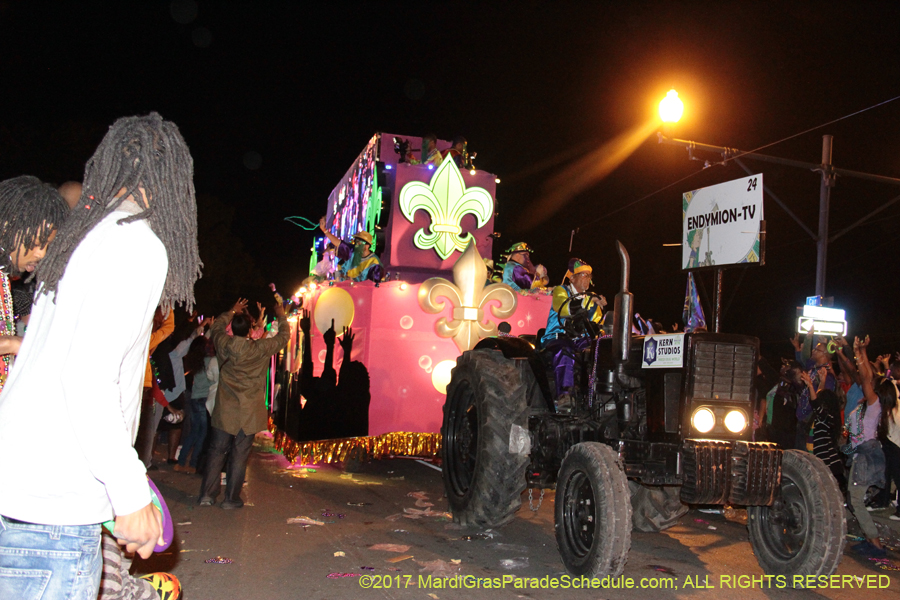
{"type": "Point", "coordinates": [240, 410]}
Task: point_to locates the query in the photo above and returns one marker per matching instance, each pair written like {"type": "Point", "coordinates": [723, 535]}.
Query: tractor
{"type": "Point", "coordinates": [636, 447]}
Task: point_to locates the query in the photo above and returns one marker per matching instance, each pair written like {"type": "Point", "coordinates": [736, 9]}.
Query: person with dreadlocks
{"type": "Point", "coordinates": [137, 221]}
{"type": "Point", "coordinates": [519, 273]}
{"type": "Point", "coordinates": [360, 263]}
{"type": "Point", "coordinates": [568, 301]}
{"type": "Point", "coordinates": [30, 214]}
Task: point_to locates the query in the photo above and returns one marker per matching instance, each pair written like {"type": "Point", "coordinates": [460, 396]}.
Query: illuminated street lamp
{"type": "Point", "coordinates": [671, 107]}
{"type": "Point", "coordinates": [670, 110]}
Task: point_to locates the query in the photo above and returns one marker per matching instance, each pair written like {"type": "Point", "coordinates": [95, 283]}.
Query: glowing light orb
{"type": "Point", "coordinates": [440, 375]}
{"type": "Point", "coordinates": [521, 323]}
{"type": "Point", "coordinates": [406, 322]}
{"type": "Point", "coordinates": [337, 304]}
{"type": "Point", "coordinates": [671, 107]}
{"type": "Point", "coordinates": [322, 356]}
{"type": "Point", "coordinates": [425, 362]}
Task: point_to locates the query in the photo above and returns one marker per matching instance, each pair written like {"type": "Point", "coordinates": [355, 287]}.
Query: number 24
{"type": "Point", "coordinates": [751, 184]}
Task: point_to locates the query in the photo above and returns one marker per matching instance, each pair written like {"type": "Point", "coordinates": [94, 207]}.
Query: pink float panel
{"type": "Point", "coordinates": [396, 341]}
{"type": "Point", "coordinates": [400, 253]}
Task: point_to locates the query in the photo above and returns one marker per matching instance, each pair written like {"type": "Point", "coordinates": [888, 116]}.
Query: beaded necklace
{"type": "Point", "coordinates": [7, 323]}
{"type": "Point", "coordinates": [856, 438]}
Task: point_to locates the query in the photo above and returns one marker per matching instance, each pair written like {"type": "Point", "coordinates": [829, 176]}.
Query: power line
{"type": "Point", "coordinates": [723, 163]}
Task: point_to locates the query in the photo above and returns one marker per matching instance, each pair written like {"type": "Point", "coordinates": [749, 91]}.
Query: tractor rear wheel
{"type": "Point", "coordinates": [487, 403]}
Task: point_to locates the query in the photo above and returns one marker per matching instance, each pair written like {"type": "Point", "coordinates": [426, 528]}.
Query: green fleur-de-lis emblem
{"type": "Point", "coordinates": [446, 200]}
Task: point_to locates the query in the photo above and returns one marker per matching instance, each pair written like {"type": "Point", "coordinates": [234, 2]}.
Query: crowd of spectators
{"type": "Point", "coordinates": [831, 399]}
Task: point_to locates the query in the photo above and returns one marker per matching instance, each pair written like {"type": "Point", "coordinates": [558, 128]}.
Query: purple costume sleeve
{"type": "Point", "coordinates": [522, 277]}
{"type": "Point", "coordinates": [376, 272]}
{"type": "Point", "coordinates": [344, 251]}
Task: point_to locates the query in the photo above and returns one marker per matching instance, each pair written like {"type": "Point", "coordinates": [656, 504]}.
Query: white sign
{"type": "Point", "coordinates": [721, 224]}
{"type": "Point", "coordinates": [828, 321]}
{"type": "Point", "coordinates": [663, 351]}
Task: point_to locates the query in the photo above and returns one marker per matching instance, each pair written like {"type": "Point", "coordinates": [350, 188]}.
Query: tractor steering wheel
{"type": "Point", "coordinates": [580, 324]}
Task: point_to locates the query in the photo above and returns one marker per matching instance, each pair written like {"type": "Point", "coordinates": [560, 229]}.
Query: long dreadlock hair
{"type": "Point", "coordinates": [137, 152]}
{"type": "Point", "coordinates": [30, 211]}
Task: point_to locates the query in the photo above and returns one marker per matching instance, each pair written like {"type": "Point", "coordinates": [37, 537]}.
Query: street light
{"type": "Point", "coordinates": [671, 107]}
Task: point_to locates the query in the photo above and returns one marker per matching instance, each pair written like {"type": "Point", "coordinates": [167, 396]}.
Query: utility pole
{"type": "Point", "coordinates": [824, 203]}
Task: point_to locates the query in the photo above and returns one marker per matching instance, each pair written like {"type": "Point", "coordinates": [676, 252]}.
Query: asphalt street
{"type": "Point", "coordinates": [372, 534]}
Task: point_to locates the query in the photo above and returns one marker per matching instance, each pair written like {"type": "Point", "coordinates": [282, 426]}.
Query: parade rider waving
{"type": "Point", "coordinates": [360, 263]}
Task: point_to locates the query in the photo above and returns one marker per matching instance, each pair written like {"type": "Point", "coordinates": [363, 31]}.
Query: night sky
{"type": "Point", "coordinates": [276, 100]}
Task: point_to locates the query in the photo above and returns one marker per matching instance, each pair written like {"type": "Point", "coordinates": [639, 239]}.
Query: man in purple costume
{"type": "Point", "coordinates": [519, 273]}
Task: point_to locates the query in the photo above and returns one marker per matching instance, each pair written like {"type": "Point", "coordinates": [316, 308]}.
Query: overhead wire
{"type": "Point", "coordinates": [723, 163]}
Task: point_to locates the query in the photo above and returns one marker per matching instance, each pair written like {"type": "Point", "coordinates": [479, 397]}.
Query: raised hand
{"type": "Point", "coordinates": [347, 342]}
{"type": "Point", "coordinates": [261, 320]}
{"type": "Point", "coordinates": [322, 225]}
{"type": "Point", "coordinates": [239, 306]}
{"type": "Point", "coordinates": [305, 323]}
{"type": "Point", "coordinates": [822, 372]}
{"type": "Point", "coordinates": [795, 342]}
{"type": "Point", "coordinates": [329, 335]}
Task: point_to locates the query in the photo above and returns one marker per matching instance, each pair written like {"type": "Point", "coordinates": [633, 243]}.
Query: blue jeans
{"type": "Point", "coordinates": [49, 562]}
{"type": "Point", "coordinates": [196, 434]}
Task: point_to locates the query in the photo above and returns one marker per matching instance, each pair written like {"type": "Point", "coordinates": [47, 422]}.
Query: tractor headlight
{"type": "Point", "coordinates": [703, 420]}
{"type": "Point", "coordinates": [735, 421]}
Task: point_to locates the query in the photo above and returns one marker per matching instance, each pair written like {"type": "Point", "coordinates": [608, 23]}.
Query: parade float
{"type": "Point", "coordinates": [434, 227]}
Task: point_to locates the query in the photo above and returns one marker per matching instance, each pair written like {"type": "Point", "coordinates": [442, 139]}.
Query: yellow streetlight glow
{"type": "Point", "coordinates": [671, 107]}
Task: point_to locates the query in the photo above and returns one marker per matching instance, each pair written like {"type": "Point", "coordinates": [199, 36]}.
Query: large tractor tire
{"type": "Point", "coordinates": [655, 508]}
{"type": "Point", "coordinates": [486, 402]}
{"type": "Point", "coordinates": [804, 531]}
{"type": "Point", "coordinates": [593, 511]}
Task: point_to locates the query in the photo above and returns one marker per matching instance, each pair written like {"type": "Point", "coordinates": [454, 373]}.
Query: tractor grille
{"type": "Point", "coordinates": [754, 468]}
{"type": "Point", "coordinates": [723, 371]}
{"type": "Point", "coordinates": [746, 473]}
{"type": "Point", "coordinates": [707, 470]}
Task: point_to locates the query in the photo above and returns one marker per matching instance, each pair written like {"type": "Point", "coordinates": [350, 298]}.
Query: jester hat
{"type": "Point", "coordinates": [519, 247]}
{"type": "Point", "coordinates": [576, 266]}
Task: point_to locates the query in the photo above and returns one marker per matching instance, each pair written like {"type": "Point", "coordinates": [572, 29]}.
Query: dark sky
{"type": "Point", "coordinates": [276, 99]}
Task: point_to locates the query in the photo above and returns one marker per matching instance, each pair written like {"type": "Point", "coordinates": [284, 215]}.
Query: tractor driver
{"type": "Point", "coordinates": [360, 263]}
{"type": "Point", "coordinates": [556, 340]}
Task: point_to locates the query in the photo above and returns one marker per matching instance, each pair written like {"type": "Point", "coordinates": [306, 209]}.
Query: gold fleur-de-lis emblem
{"type": "Point", "coordinates": [446, 200]}
{"type": "Point", "coordinates": [469, 298]}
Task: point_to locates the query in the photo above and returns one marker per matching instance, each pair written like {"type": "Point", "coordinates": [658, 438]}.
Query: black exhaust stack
{"type": "Point", "coordinates": [623, 313]}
